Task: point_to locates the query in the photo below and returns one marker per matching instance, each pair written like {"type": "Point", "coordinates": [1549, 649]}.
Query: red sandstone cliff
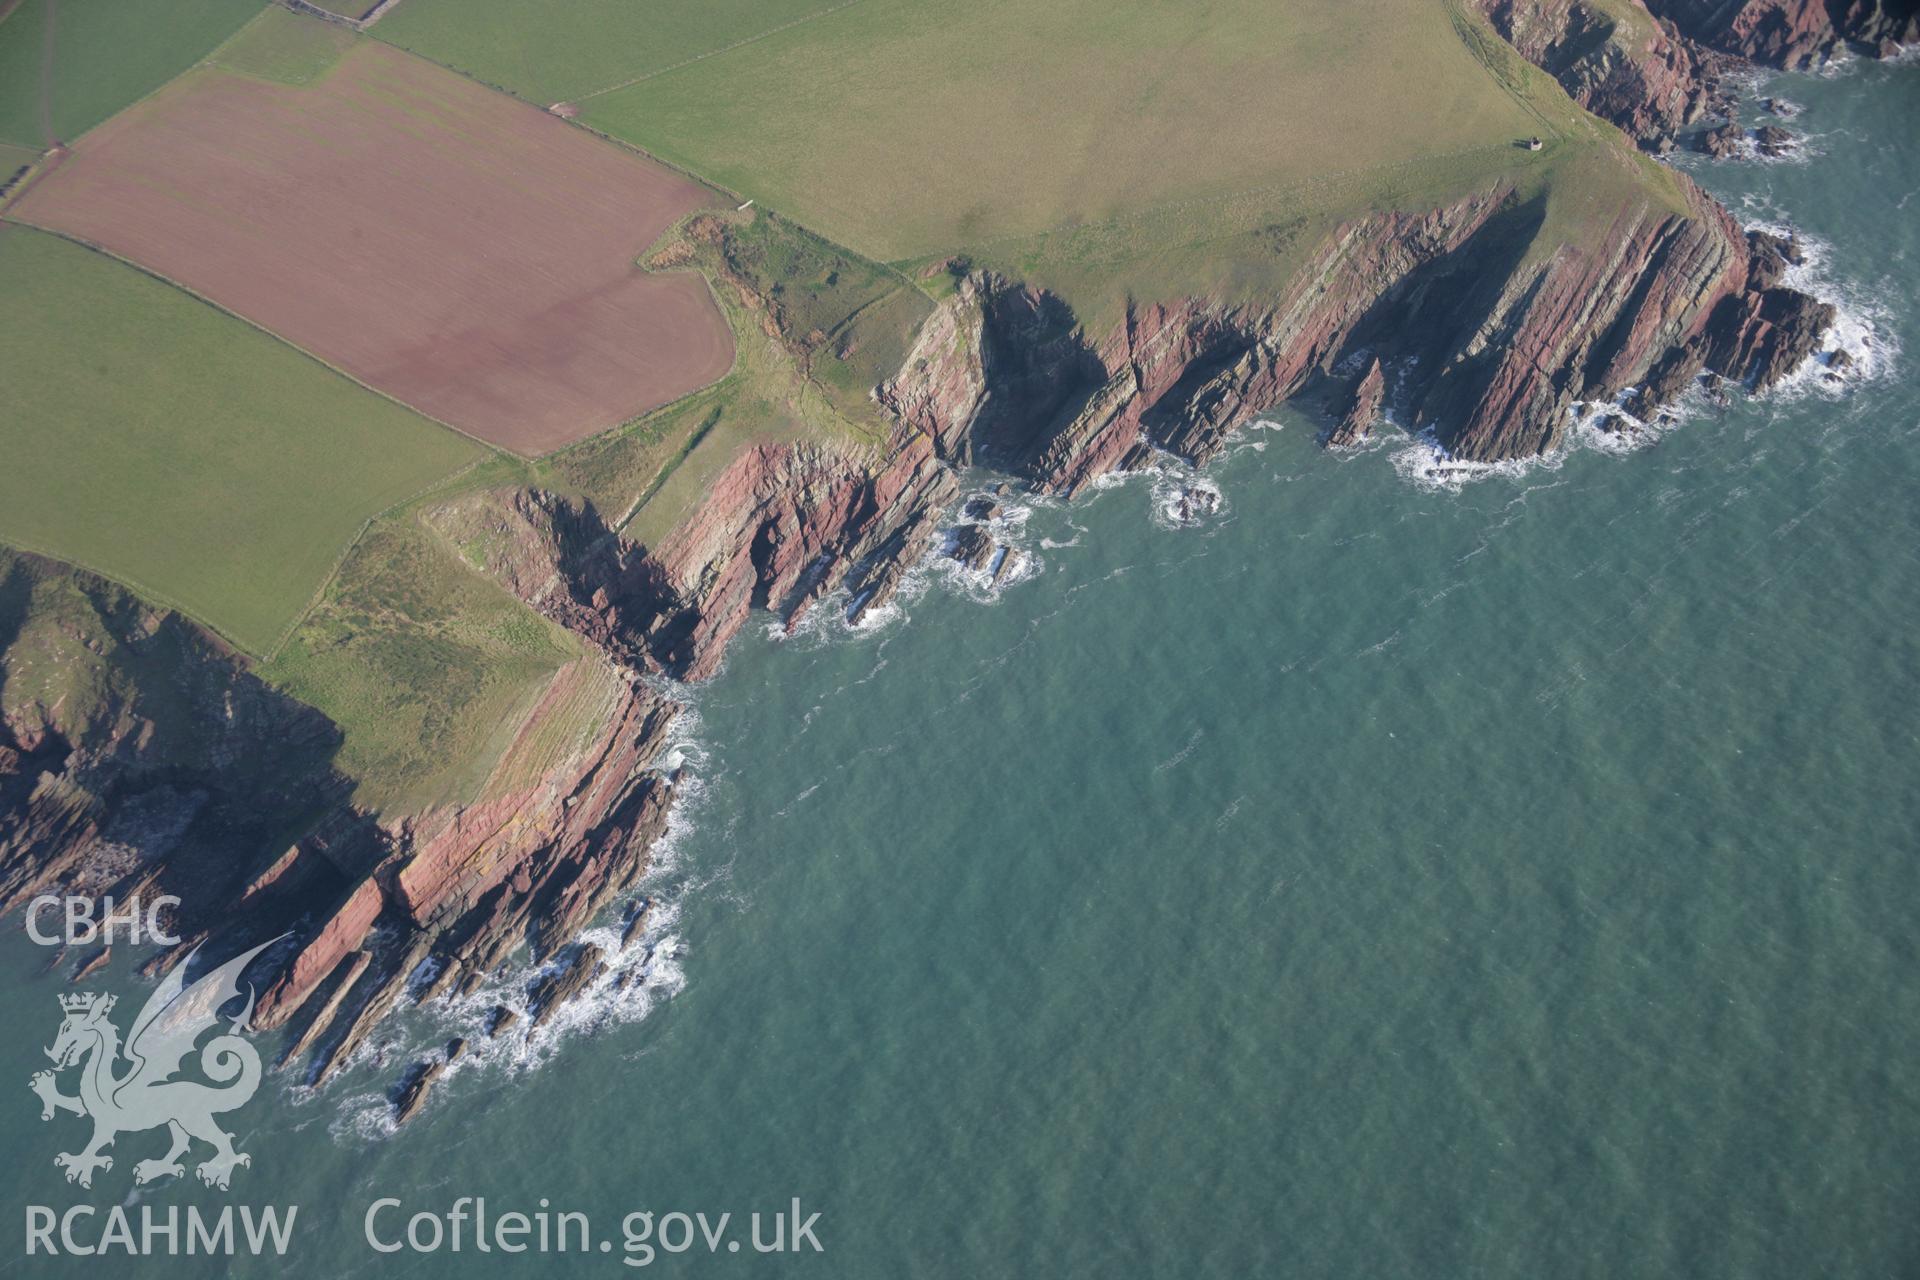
{"type": "Point", "coordinates": [1500, 341]}
{"type": "Point", "coordinates": [1503, 340]}
{"type": "Point", "coordinates": [165, 767]}
{"type": "Point", "coordinates": [1656, 71]}
{"type": "Point", "coordinates": [1492, 339]}
{"type": "Point", "coordinates": [1641, 75]}
{"type": "Point", "coordinates": [1794, 33]}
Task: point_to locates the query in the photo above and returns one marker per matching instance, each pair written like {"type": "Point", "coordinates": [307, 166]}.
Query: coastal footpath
{"type": "Point", "coordinates": [140, 755]}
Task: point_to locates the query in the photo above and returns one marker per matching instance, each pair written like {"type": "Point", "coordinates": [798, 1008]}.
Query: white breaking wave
{"type": "Point", "coordinates": [1863, 326]}
{"type": "Point", "coordinates": [1008, 528]}
{"type": "Point", "coordinates": [636, 977]}
{"type": "Point", "coordinates": [1185, 499]}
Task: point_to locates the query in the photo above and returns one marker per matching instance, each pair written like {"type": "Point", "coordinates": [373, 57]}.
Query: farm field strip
{"type": "Point", "coordinates": [201, 462]}
{"type": "Point", "coordinates": [445, 244]}
{"type": "Point", "coordinates": [725, 48]}
{"type": "Point", "coordinates": [1004, 119]}
{"type": "Point", "coordinates": [580, 46]}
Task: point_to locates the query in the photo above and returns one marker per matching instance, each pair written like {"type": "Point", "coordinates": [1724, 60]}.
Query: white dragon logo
{"type": "Point", "coordinates": [146, 1095]}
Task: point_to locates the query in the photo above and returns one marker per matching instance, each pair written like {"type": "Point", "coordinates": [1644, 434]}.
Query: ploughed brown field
{"type": "Point", "coordinates": [462, 251]}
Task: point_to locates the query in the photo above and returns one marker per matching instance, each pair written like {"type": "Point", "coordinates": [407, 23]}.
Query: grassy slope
{"type": "Point", "coordinates": [1630, 18]}
{"type": "Point", "coordinates": [946, 126]}
{"type": "Point", "coordinates": [1103, 150]}
{"type": "Point", "coordinates": [427, 667]}
{"type": "Point", "coordinates": [60, 663]}
{"type": "Point", "coordinates": [74, 655]}
{"type": "Point", "coordinates": [183, 452]}
{"type": "Point", "coordinates": [849, 322]}
{"type": "Point", "coordinates": [107, 54]}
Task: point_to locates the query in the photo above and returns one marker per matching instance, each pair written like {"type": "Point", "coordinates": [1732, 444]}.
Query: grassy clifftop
{"type": "Point", "coordinates": [427, 667]}
{"type": "Point", "coordinates": [816, 327]}
{"type": "Point", "coordinates": [905, 129]}
{"type": "Point", "coordinates": [1102, 150]}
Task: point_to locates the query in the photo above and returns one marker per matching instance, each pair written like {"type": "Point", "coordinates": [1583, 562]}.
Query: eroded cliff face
{"type": "Point", "coordinates": [780, 527]}
{"type": "Point", "coordinates": [1498, 341]}
{"type": "Point", "coordinates": [1581, 324]}
{"type": "Point", "coordinates": [139, 757]}
{"type": "Point", "coordinates": [1644, 77]}
{"type": "Point", "coordinates": [1794, 33]}
{"type": "Point", "coordinates": [1659, 68]}
{"type": "Point", "coordinates": [1003, 374]}
{"type": "Point", "coordinates": [133, 743]}
{"type": "Point", "coordinates": [457, 890]}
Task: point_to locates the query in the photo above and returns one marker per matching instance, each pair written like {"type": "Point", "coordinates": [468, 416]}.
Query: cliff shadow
{"type": "Point", "coordinates": [1039, 371]}
{"type": "Point", "coordinates": [1425, 324]}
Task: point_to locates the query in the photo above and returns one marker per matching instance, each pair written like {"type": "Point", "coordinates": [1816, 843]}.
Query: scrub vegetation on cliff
{"type": "Point", "coordinates": [816, 328]}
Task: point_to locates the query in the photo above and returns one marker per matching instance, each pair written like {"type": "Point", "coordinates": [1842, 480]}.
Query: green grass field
{"type": "Point", "coordinates": [560, 50]}
{"type": "Point", "coordinates": [163, 443]}
{"type": "Point", "coordinates": [107, 54]}
{"type": "Point", "coordinates": [282, 46]}
{"type": "Point", "coordinates": [945, 126]}
{"type": "Point", "coordinates": [903, 128]}
{"type": "Point", "coordinates": [22, 41]}
{"type": "Point", "coordinates": [1106, 149]}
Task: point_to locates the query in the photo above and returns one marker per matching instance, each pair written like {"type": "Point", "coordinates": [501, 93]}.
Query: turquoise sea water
{"type": "Point", "coordinates": [1511, 880]}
